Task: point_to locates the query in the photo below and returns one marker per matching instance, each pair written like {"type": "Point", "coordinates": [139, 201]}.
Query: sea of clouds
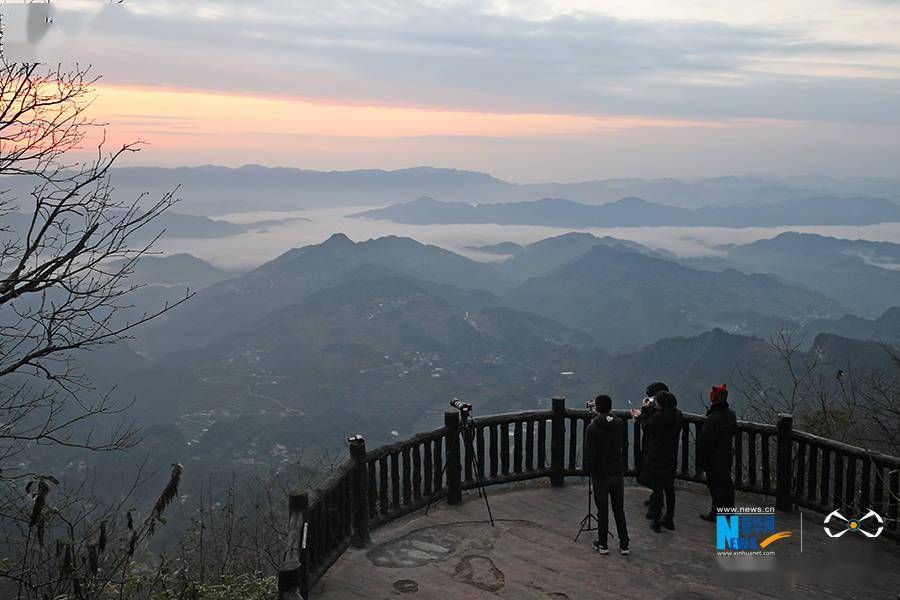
{"type": "Point", "coordinates": [257, 246]}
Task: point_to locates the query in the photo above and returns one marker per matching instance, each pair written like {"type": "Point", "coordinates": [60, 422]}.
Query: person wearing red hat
{"type": "Point", "coordinates": [715, 451]}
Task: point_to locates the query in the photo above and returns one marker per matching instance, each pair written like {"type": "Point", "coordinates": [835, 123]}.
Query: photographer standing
{"type": "Point", "coordinates": [715, 450]}
{"type": "Point", "coordinates": [604, 460]}
{"type": "Point", "coordinates": [662, 424]}
{"type": "Point", "coordinates": [648, 407]}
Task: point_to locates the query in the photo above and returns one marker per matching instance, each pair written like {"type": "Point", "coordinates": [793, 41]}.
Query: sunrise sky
{"type": "Point", "coordinates": [530, 90]}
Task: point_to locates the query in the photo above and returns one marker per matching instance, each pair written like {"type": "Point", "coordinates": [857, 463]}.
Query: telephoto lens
{"type": "Point", "coordinates": [460, 405]}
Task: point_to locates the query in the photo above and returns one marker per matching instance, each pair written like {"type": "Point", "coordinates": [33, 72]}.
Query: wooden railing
{"type": "Point", "coordinates": [371, 488]}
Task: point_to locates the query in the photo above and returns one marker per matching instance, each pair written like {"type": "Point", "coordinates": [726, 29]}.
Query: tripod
{"type": "Point", "coordinates": [468, 430]}
{"type": "Point", "coordinates": [587, 523]}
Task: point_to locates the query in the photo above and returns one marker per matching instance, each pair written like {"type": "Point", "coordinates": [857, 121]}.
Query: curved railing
{"type": "Point", "coordinates": [371, 488]}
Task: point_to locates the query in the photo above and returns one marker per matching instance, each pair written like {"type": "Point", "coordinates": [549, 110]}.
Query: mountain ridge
{"type": "Point", "coordinates": [297, 273]}
{"type": "Point", "coordinates": [637, 212]}
{"type": "Point", "coordinates": [215, 190]}
{"type": "Point", "coordinates": [860, 274]}
{"type": "Point", "coordinates": [625, 299]}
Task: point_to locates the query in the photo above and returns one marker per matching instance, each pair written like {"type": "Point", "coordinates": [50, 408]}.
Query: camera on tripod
{"type": "Point", "coordinates": [464, 407]}
{"type": "Point", "coordinates": [469, 429]}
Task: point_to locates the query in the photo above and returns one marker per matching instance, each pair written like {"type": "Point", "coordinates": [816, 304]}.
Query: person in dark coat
{"type": "Point", "coordinates": [648, 406]}
{"type": "Point", "coordinates": [661, 458]}
{"type": "Point", "coordinates": [604, 459]}
{"type": "Point", "coordinates": [715, 451]}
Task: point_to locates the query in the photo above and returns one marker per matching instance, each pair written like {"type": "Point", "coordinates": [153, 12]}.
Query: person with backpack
{"type": "Point", "coordinates": [663, 428]}
{"type": "Point", "coordinates": [604, 459]}
{"type": "Point", "coordinates": [715, 451]}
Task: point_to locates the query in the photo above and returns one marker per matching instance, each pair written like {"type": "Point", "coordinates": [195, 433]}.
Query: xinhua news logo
{"type": "Point", "coordinates": [747, 532]}
{"type": "Point", "coordinates": [870, 525]}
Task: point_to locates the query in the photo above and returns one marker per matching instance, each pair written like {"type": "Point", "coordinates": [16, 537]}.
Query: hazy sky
{"type": "Point", "coordinates": [530, 90]}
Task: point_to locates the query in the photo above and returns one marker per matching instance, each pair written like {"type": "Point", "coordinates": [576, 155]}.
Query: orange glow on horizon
{"type": "Point", "coordinates": [183, 119]}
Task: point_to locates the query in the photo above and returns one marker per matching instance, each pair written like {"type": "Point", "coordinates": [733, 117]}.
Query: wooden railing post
{"type": "Point", "coordinates": [558, 443]}
{"type": "Point", "coordinates": [293, 576]}
{"type": "Point", "coordinates": [360, 499]}
{"type": "Point", "coordinates": [454, 463]}
{"type": "Point", "coordinates": [304, 558]}
{"type": "Point", "coordinates": [783, 484]}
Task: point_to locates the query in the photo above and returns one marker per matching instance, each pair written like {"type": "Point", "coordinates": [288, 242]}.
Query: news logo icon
{"type": "Point", "coordinates": [747, 532]}
{"type": "Point", "coordinates": [844, 525]}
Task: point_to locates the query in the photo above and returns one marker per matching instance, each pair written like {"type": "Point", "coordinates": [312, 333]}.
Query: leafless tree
{"type": "Point", "coordinates": [879, 393]}
{"type": "Point", "coordinates": [766, 396]}
{"type": "Point", "coordinates": [66, 253]}
{"type": "Point", "coordinates": [855, 405]}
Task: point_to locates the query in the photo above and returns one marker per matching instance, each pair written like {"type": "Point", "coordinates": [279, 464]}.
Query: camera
{"type": "Point", "coordinates": [649, 401]}
{"type": "Point", "coordinates": [591, 405]}
{"type": "Point", "coordinates": [463, 407]}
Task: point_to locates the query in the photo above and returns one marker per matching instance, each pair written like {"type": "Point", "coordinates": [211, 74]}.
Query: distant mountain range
{"type": "Point", "coordinates": [626, 300]}
{"type": "Point", "coordinates": [506, 249]}
{"type": "Point", "coordinates": [179, 225]}
{"type": "Point", "coordinates": [862, 275]}
{"type": "Point", "coordinates": [288, 279]}
{"type": "Point", "coordinates": [543, 256]}
{"type": "Point", "coordinates": [174, 270]}
{"type": "Point", "coordinates": [213, 190]}
{"type": "Point", "coordinates": [636, 212]}
{"type": "Point", "coordinates": [171, 224]}
{"type": "Point", "coordinates": [621, 293]}
{"type": "Point", "coordinates": [885, 328]}
{"type": "Point", "coordinates": [815, 251]}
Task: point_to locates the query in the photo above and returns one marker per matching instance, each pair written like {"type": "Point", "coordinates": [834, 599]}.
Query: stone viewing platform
{"type": "Point", "coordinates": [363, 532]}
{"type": "Point", "coordinates": [453, 553]}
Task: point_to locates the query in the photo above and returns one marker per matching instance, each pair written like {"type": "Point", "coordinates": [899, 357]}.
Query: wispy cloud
{"type": "Point", "coordinates": [529, 88]}
{"type": "Point", "coordinates": [450, 55]}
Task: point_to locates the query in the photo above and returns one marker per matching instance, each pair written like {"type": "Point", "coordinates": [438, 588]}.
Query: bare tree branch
{"type": "Point", "coordinates": [66, 252]}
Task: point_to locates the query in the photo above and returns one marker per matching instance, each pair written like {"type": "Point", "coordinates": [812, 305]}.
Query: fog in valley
{"type": "Point", "coordinates": [300, 228]}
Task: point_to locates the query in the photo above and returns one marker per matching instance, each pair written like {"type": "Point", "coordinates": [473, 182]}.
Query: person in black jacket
{"type": "Point", "coordinates": [647, 408]}
{"type": "Point", "coordinates": [715, 451]}
{"type": "Point", "coordinates": [663, 426]}
{"type": "Point", "coordinates": [604, 460]}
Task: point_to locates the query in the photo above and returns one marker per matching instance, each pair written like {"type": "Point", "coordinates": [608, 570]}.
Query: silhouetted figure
{"type": "Point", "coordinates": [604, 460]}
{"type": "Point", "coordinates": [648, 406]}
{"type": "Point", "coordinates": [662, 424]}
{"type": "Point", "coordinates": [715, 450]}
